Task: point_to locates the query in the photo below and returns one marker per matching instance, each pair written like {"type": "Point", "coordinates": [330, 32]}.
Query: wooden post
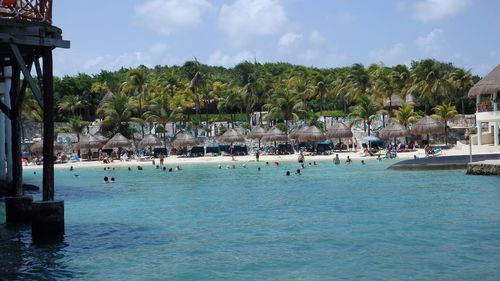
{"type": "Point", "coordinates": [17, 169]}
{"type": "Point", "coordinates": [48, 126]}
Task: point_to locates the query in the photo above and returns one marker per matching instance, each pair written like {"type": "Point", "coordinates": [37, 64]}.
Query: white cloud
{"type": "Point", "coordinates": [346, 18]}
{"type": "Point", "coordinates": [244, 19]}
{"type": "Point", "coordinates": [434, 10]}
{"type": "Point", "coordinates": [433, 44]}
{"type": "Point", "coordinates": [391, 56]}
{"type": "Point", "coordinates": [289, 39]}
{"type": "Point", "coordinates": [222, 59]}
{"type": "Point", "coordinates": [317, 37]}
{"type": "Point", "coordinates": [70, 62]}
{"type": "Point", "coordinates": [167, 16]}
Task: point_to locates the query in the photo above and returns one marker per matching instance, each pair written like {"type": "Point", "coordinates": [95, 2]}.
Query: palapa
{"type": "Point", "coordinates": [275, 134]}
{"type": "Point", "coordinates": [395, 101]}
{"type": "Point", "coordinates": [184, 139]}
{"type": "Point", "coordinates": [427, 125]}
{"type": "Point", "coordinates": [394, 130]}
{"type": "Point", "coordinates": [257, 133]}
{"type": "Point", "coordinates": [294, 134]}
{"type": "Point", "coordinates": [89, 142]}
{"type": "Point", "coordinates": [118, 141]}
{"type": "Point", "coordinates": [339, 130]}
{"type": "Point", "coordinates": [38, 147]}
{"type": "Point", "coordinates": [311, 134]}
{"type": "Point", "coordinates": [231, 136]}
{"type": "Point", "coordinates": [489, 85]}
{"type": "Point", "coordinates": [150, 140]}
{"type": "Point", "coordinates": [101, 138]}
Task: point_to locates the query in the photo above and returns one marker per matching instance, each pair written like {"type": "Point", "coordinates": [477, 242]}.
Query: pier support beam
{"type": "Point", "coordinates": [18, 210]}
{"type": "Point", "coordinates": [47, 224]}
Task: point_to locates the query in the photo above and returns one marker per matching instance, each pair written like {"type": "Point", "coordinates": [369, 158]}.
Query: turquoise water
{"type": "Point", "coordinates": [331, 223]}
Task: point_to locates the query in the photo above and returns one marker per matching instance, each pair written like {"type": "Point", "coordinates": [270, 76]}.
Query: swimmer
{"type": "Point", "coordinates": [113, 168]}
{"type": "Point", "coordinates": [348, 160]}
{"type": "Point", "coordinates": [302, 166]}
{"type": "Point", "coordinates": [297, 172]}
{"type": "Point", "coordinates": [76, 175]}
{"type": "Point", "coordinates": [139, 168]}
{"type": "Point", "coordinates": [314, 163]}
{"type": "Point", "coordinates": [34, 173]}
{"type": "Point", "coordinates": [336, 160]}
{"type": "Point", "coordinates": [244, 165]}
{"type": "Point", "coordinates": [106, 180]}
{"type": "Point", "coordinates": [234, 166]}
{"type": "Point", "coordinates": [258, 169]}
{"type": "Point", "coordinates": [310, 164]}
{"type": "Point", "coordinates": [220, 166]}
{"type": "Point", "coordinates": [267, 163]}
{"type": "Point", "coordinates": [104, 168]}
{"type": "Point", "coordinates": [378, 158]}
{"type": "Point", "coordinates": [112, 180]}
{"type": "Point", "coordinates": [164, 168]}
{"type": "Point", "coordinates": [227, 166]}
{"type": "Point", "coordinates": [71, 168]}
{"type": "Point", "coordinates": [177, 168]}
{"type": "Point", "coordinates": [170, 169]}
{"type": "Point", "coordinates": [363, 162]}
{"type": "Point", "coordinates": [129, 169]}
{"type": "Point", "coordinates": [157, 166]}
{"type": "Point", "coordinates": [287, 173]}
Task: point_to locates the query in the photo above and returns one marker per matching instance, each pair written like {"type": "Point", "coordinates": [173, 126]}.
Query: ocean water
{"type": "Point", "coordinates": [346, 222]}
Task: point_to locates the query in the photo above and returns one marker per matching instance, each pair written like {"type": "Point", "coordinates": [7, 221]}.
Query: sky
{"type": "Point", "coordinates": [108, 35]}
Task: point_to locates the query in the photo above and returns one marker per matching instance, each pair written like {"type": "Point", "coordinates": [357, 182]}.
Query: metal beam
{"type": "Point", "coordinates": [5, 109]}
{"type": "Point", "coordinates": [27, 74]}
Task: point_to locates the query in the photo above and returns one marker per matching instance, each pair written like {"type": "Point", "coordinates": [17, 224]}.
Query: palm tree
{"type": "Point", "coordinates": [405, 115]}
{"type": "Point", "coordinates": [366, 110]}
{"type": "Point", "coordinates": [445, 112]}
{"type": "Point", "coordinates": [70, 104]}
{"type": "Point", "coordinates": [428, 79]}
{"type": "Point", "coordinates": [462, 82]}
{"type": "Point", "coordinates": [192, 70]}
{"type": "Point", "coordinates": [283, 105]}
{"type": "Point", "coordinates": [160, 111]}
{"type": "Point", "coordinates": [137, 83]}
{"type": "Point", "coordinates": [76, 126]}
{"type": "Point", "coordinates": [358, 81]}
{"type": "Point", "coordinates": [321, 90]}
{"type": "Point", "coordinates": [116, 113]}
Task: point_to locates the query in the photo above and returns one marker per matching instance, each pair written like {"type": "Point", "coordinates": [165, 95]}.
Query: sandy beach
{"type": "Point", "coordinates": [181, 160]}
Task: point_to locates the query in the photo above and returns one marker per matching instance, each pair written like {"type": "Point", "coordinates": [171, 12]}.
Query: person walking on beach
{"type": "Point", "coordinates": [257, 155]}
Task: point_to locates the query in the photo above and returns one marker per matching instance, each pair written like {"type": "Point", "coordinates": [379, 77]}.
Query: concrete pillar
{"type": "Point", "coordinates": [47, 224]}
{"type": "Point", "coordinates": [18, 210]}
{"type": "Point", "coordinates": [7, 72]}
{"type": "Point", "coordinates": [479, 132]}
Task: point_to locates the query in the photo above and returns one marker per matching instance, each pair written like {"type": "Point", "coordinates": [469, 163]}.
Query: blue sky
{"type": "Point", "coordinates": [323, 33]}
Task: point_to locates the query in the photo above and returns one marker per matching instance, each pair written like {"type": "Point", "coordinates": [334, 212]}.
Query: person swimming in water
{"type": "Point", "coordinates": [112, 180]}
{"type": "Point", "coordinates": [287, 173]}
{"type": "Point", "coordinates": [297, 172]}
{"type": "Point", "coordinates": [348, 160]}
{"type": "Point", "coordinates": [71, 168]}
{"type": "Point", "coordinates": [106, 180]}
{"type": "Point", "coordinates": [336, 160]}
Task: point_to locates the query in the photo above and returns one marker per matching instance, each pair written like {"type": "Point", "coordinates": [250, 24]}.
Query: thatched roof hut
{"type": "Point", "coordinates": [489, 85]}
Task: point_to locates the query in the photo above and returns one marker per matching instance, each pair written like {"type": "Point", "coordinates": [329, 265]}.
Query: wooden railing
{"type": "Point", "coordinates": [28, 10]}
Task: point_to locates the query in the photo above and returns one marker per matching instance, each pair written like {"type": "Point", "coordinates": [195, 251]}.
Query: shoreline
{"type": "Point", "coordinates": [176, 160]}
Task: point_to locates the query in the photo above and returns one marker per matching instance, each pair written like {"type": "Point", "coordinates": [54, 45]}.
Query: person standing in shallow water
{"type": "Point", "coordinates": [301, 158]}
{"type": "Point", "coordinates": [257, 155]}
{"type": "Point", "coordinates": [348, 160]}
{"type": "Point", "coordinates": [336, 160]}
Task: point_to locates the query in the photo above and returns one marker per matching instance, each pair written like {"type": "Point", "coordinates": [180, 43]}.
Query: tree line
{"type": "Point", "coordinates": [196, 94]}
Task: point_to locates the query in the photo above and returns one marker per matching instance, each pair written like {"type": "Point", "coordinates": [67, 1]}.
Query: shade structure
{"type": "Point", "coordinates": [311, 134]}
{"type": "Point", "coordinates": [394, 130]}
{"type": "Point", "coordinates": [101, 138]}
{"type": "Point", "coordinates": [89, 142]}
{"type": "Point", "coordinates": [118, 141]}
{"type": "Point", "coordinates": [231, 136]}
{"type": "Point", "coordinates": [339, 130]}
{"type": "Point", "coordinates": [411, 100]}
{"type": "Point", "coordinates": [490, 84]}
{"type": "Point", "coordinates": [150, 140]}
{"type": "Point", "coordinates": [294, 133]}
{"type": "Point", "coordinates": [183, 139]}
{"type": "Point", "coordinates": [38, 147]}
{"type": "Point", "coordinates": [275, 134]}
{"type": "Point", "coordinates": [257, 133]}
{"type": "Point", "coordinates": [428, 125]}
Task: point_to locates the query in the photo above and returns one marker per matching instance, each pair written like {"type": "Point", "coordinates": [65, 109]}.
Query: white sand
{"type": "Point", "coordinates": [175, 160]}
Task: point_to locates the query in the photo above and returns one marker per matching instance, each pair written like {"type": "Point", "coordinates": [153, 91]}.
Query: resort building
{"type": "Point", "coordinates": [487, 95]}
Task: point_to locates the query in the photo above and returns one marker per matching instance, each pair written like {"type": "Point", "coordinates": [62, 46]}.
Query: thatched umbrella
{"type": "Point", "coordinates": [311, 134]}
{"type": "Point", "coordinates": [275, 134]}
{"type": "Point", "coordinates": [118, 141]}
{"type": "Point", "coordinates": [150, 140]}
{"type": "Point", "coordinates": [89, 142]}
{"type": "Point", "coordinates": [489, 85]}
{"type": "Point", "coordinates": [427, 125]}
{"type": "Point", "coordinates": [38, 147]}
{"type": "Point", "coordinates": [339, 130]}
{"type": "Point", "coordinates": [184, 139]}
{"type": "Point", "coordinates": [257, 133]}
{"type": "Point", "coordinates": [411, 100]}
{"type": "Point", "coordinates": [395, 101]}
{"type": "Point", "coordinates": [101, 138]}
{"type": "Point", "coordinates": [394, 130]}
{"type": "Point", "coordinates": [231, 136]}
